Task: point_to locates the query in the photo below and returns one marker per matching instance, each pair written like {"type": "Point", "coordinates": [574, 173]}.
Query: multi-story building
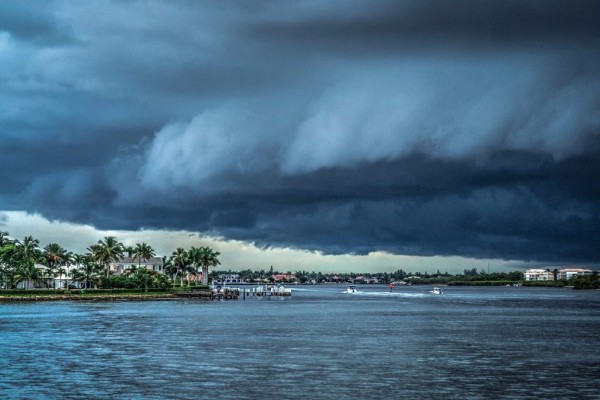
{"type": "Point", "coordinates": [568, 273]}
{"type": "Point", "coordinates": [539, 275]}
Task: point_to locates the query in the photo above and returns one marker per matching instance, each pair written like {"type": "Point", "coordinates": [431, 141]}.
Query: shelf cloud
{"type": "Point", "coordinates": [345, 127]}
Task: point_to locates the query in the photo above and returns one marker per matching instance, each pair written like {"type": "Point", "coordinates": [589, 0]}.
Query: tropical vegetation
{"type": "Point", "coordinates": [587, 282]}
{"type": "Point", "coordinates": [23, 264]}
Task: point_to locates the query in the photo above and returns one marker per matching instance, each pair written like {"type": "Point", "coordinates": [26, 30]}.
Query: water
{"type": "Point", "coordinates": [469, 343]}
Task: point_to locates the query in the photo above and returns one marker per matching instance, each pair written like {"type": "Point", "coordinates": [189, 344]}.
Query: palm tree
{"type": "Point", "coordinates": [4, 239]}
{"type": "Point", "coordinates": [195, 254]}
{"type": "Point", "coordinates": [27, 255]}
{"type": "Point", "coordinates": [28, 272]}
{"type": "Point", "coordinates": [70, 259]}
{"type": "Point", "coordinates": [77, 261]}
{"type": "Point", "coordinates": [208, 258]}
{"type": "Point", "coordinates": [144, 277]}
{"type": "Point", "coordinates": [141, 252]}
{"type": "Point", "coordinates": [129, 250]}
{"type": "Point", "coordinates": [8, 250]}
{"type": "Point", "coordinates": [87, 271]}
{"type": "Point", "coordinates": [169, 268]}
{"type": "Point", "coordinates": [55, 256]}
{"type": "Point", "coordinates": [107, 251]}
{"type": "Point", "coordinates": [180, 261]}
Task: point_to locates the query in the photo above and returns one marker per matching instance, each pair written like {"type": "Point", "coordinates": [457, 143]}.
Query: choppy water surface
{"type": "Point", "coordinates": [469, 343]}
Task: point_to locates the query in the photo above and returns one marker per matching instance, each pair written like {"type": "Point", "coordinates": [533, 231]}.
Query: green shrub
{"type": "Point", "coordinates": [586, 282]}
{"type": "Point", "coordinates": [559, 283]}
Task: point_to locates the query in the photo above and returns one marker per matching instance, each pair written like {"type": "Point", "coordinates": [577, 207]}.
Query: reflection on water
{"type": "Point", "coordinates": [514, 343]}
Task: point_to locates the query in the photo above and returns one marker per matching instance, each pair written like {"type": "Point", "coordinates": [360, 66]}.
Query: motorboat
{"type": "Point", "coordinates": [351, 289]}
{"type": "Point", "coordinates": [436, 290]}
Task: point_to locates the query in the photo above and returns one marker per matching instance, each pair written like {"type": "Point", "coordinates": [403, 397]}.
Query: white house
{"type": "Point", "coordinates": [61, 281]}
{"type": "Point", "coordinates": [43, 282]}
{"type": "Point", "coordinates": [123, 264]}
{"type": "Point", "coordinates": [538, 275]}
{"type": "Point", "coordinates": [568, 273]}
{"type": "Point", "coordinates": [66, 279]}
{"type": "Point", "coordinates": [225, 279]}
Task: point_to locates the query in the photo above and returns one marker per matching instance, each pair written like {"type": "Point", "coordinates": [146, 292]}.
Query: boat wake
{"type": "Point", "coordinates": [385, 294]}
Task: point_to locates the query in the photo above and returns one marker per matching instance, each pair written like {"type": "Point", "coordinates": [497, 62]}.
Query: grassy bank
{"type": "Point", "coordinates": [483, 283]}
{"type": "Point", "coordinates": [90, 294]}
{"type": "Point", "coordinates": [41, 295]}
{"type": "Point", "coordinates": [559, 283]}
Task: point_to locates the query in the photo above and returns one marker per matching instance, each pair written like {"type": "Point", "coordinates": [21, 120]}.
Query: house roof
{"type": "Point", "coordinates": [575, 270]}
{"type": "Point", "coordinates": [284, 276]}
{"type": "Point", "coordinates": [132, 260]}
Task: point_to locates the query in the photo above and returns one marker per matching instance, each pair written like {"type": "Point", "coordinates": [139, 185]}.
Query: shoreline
{"type": "Point", "coordinates": [136, 296]}
{"type": "Point", "coordinates": [36, 298]}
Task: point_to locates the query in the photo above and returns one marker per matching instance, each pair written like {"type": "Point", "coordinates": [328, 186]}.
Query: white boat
{"type": "Point", "coordinates": [436, 290]}
{"type": "Point", "coordinates": [351, 289]}
{"type": "Point", "coordinates": [279, 289]}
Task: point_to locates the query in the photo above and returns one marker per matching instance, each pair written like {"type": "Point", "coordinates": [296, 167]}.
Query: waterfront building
{"type": "Point", "coordinates": [568, 273]}
{"type": "Point", "coordinates": [123, 264]}
{"type": "Point", "coordinates": [42, 281]}
{"type": "Point", "coordinates": [539, 275]}
{"type": "Point", "coordinates": [288, 278]}
{"type": "Point", "coordinates": [228, 279]}
{"type": "Point", "coordinates": [61, 280]}
{"type": "Point", "coordinates": [365, 279]}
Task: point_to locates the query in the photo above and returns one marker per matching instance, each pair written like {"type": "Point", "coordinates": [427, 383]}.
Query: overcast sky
{"type": "Point", "coordinates": [465, 130]}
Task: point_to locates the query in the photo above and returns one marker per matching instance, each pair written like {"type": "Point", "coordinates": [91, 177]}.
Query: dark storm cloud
{"type": "Point", "coordinates": [463, 24]}
{"type": "Point", "coordinates": [415, 127]}
{"type": "Point", "coordinates": [31, 21]}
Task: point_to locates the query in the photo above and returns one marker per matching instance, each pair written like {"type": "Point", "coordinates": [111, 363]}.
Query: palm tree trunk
{"type": "Point", "coordinates": [205, 275]}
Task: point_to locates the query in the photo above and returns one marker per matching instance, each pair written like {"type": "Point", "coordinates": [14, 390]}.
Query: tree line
{"type": "Point", "coordinates": [301, 276]}
{"type": "Point", "coordinates": [20, 261]}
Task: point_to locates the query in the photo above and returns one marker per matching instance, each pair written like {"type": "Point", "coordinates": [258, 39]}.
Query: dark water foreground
{"type": "Point", "coordinates": [469, 343]}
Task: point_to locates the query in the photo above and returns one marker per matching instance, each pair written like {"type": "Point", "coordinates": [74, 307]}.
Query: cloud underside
{"type": "Point", "coordinates": [408, 127]}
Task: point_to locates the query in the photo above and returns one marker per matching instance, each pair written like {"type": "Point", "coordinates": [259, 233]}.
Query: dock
{"type": "Point", "coordinates": [209, 294]}
{"type": "Point", "coordinates": [234, 293]}
{"type": "Point", "coordinates": [266, 291]}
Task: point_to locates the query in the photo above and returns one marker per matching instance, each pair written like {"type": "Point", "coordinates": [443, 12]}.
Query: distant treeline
{"type": "Point", "coordinates": [471, 275]}
{"type": "Point", "coordinates": [587, 282]}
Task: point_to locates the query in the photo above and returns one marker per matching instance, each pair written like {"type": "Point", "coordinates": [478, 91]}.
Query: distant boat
{"type": "Point", "coordinates": [436, 290]}
{"type": "Point", "coordinates": [351, 289]}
